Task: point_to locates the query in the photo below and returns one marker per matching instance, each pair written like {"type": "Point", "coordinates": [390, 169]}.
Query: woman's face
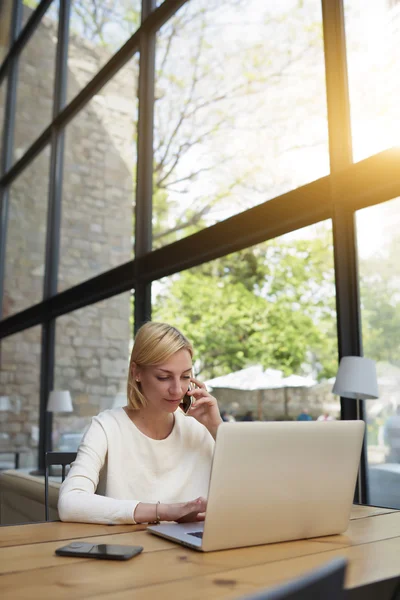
{"type": "Point", "coordinates": [164, 385]}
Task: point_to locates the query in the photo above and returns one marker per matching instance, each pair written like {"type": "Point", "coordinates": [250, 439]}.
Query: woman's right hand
{"type": "Point", "coordinates": [182, 512]}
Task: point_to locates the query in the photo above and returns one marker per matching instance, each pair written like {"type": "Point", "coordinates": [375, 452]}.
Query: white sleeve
{"type": "Point", "coordinates": [77, 500]}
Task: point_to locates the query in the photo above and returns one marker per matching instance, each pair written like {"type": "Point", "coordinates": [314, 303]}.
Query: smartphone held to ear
{"type": "Point", "coordinates": [104, 551]}
{"type": "Point", "coordinates": [186, 402]}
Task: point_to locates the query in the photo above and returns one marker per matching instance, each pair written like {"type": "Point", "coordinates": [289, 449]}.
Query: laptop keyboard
{"type": "Point", "coordinates": [198, 534]}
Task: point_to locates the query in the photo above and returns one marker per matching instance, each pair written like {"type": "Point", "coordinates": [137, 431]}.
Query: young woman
{"type": "Point", "coordinates": [148, 462]}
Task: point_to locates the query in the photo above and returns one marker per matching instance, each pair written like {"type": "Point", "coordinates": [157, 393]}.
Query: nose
{"type": "Point", "coordinates": [176, 388]}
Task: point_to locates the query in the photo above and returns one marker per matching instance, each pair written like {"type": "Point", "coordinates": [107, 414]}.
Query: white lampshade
{"type": "Point", "coordinates": [356, 378]}
{"type": "Point", "coordinates": [60, 401]}
{"type": "Point", "coordinates": [5, 403]}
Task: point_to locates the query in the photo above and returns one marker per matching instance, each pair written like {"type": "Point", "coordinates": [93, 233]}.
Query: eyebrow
{"type": "Point", "coordinates": [171, 372]}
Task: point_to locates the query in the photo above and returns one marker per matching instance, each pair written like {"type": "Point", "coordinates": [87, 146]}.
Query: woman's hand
{"type": "Point", "coordinates": [182, 512]}
{"type": "Point", "coordinates": [204, 407]}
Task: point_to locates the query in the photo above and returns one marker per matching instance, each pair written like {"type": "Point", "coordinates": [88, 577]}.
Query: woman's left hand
{"type": "Point", "coordinates": [204, 407]}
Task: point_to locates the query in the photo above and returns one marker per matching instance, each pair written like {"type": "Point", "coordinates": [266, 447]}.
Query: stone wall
{"type": "Point", "coordinates": [92, 344]}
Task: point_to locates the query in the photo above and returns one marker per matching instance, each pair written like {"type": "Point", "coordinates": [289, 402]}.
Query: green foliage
{"type": "Point", "coordinates": [380, 303]}
{"type": "Point", "coordinates": [31, 3]}
{"type": "Point", "coordinates": [271, 304]}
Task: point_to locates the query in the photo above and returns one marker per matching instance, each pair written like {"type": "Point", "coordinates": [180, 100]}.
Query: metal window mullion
{"type": "Point", "coordinates": [337, 87]}
{"type": "Point", "coordinates": [144, 181]}
{"type": "Point", "coordinates": [294, 210]}
{"type": "Point", "coordinates": [8, 141]}
{"type": "Point", "coordinates": [349, 317]}
{"type": "Point", "coordinates": [20, 40]}
{"type": "Point", "coordinates": [53, 230]}
{"type": "Point", "coordinates": [344, 229]}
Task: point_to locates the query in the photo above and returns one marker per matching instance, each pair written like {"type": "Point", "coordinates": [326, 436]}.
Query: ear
{"type": "Point", "coordinates": [135, 372]}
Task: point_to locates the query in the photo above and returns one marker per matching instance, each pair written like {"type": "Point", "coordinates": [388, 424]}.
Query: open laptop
{"type": "Point", "coordinates": [273, 482]}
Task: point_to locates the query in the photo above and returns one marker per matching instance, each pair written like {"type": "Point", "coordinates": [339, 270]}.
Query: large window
{"type": "Point", "coordinates": [190, 162]}
{"type": "Point", "coordinates": [379, 245]}
{"type": "Point", "coordinates": [26, 236]}
{"type": "Point", "coordinates": [263, 325]}
{"type": "Point", "coordinates": [97, 31]}
{"type": "Point", "coordinates": [373, 50]}
{"type": "Point", "coordinates": [99, 182]}
{"type": "Point", "coordinates": [240, 115]}
{"type": "Point", "coordinates": [19, 404]}
{"type": "Point", "coordinates": [91, 362]}
{"type": "Point", "coordinates": [34, 105]}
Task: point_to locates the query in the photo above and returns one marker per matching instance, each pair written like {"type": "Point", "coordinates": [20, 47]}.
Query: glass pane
{"type": "Point", "coordinates": [26, 236]}
{"type": "Point", "coordinates": [99, 182]}
{"type": "Point", "coordinates": [93, 347]}
{"type": "Point", "coordinates": [29, 7]}
{"type": "Point", "coordinates": [97, 31]}
{"type": "Point", "coordinates": [34, 103]}
{"type": "Point", "coordinates": [19, 400]}
{"type": "Point", "coordinates": [240, 115]}
{"type": "Point", "coordinates": [5, 21]}
{"type": "Point", "coordinates": [378, 248]}
{"type": "Point", "coordinates": [266, 315]}
{"type": "Point", "coordinates": [3, 93]}
{"type": "Point", "coordinates": [373, 53]}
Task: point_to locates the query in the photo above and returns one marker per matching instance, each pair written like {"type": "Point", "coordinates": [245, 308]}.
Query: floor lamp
{"type": "Point", "coordinates": [356, 379]}
{"type": "Point", "coordinates": [59, 402]}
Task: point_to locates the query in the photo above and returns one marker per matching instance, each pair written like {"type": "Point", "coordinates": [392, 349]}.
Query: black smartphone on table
{"type": "Point", "coordinates": [104, 551]}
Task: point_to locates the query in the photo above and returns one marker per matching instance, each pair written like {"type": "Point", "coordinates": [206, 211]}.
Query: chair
{"type": "Point", "coordinates": [325, 582]}
{"type": "Point", "coordinates": [55, 458]}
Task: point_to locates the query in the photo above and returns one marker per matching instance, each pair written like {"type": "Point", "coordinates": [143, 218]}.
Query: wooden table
{"type": "Point", "coordinates": [30, 569]}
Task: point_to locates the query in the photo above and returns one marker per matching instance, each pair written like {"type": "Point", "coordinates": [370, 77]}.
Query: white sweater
{"type": "Point", "coordinates": [127, 467]}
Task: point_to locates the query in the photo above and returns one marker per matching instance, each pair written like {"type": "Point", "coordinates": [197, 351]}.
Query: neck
{"type": "Point", "coordinates": [155, 424]}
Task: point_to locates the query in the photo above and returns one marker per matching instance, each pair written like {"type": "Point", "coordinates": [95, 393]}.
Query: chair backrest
{"type": "Point", "coordinates": [55, 458]}
{"type": "Point", "coordinates": [325, 582]}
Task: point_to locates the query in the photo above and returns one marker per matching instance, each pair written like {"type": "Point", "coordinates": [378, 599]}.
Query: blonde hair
{"type": "Point", "coordinates": [154, 344]}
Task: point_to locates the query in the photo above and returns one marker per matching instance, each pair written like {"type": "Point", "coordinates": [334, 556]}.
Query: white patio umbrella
{"type": "Point", "coordinates": [256, 378]}
{"type": "Point", "coordinates": [251, 378]}
{"type": "Point", "coordinates": [298, 381]}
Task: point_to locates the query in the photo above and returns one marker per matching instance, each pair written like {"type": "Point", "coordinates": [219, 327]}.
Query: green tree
{"type": "Point", "coordinates": [272, 304]}
{"type": "Point", "coordinates": [209, 93]}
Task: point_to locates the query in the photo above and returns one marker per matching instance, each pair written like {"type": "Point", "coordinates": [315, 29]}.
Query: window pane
{"type": "Point", "coordinates": [3, 93]}
{"type": "Point", "coordinates": [28, 8]}
{"type": "Point", "coordinates": [5, 21]}
{"type": "Point", "coordinates": [270, 307]}
{"type": "Point", "coordinates": [240, 115]}
{"type": "Point", "coordinates": [97, 31]}
{"type": "Point", "coordinates": [19, 402]}
{"type": "Point", "coordinates": [378, 249]}
{"type": "Point", "coordinates": [373, 52]}
{"type": "Point", "coordinates": [34, 103]}
{"type": "Point", "coordinates": [99, 182]}
{"type": "Point", "coordinates": [92, 358]}
{"type": "Point", "coordinates": [26, 236]}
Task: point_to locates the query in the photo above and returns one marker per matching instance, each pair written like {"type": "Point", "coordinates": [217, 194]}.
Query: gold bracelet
{"type": "Point", "coordinates": [157, 515]}
{"type": "Point", "coordinates": [157, 519]}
